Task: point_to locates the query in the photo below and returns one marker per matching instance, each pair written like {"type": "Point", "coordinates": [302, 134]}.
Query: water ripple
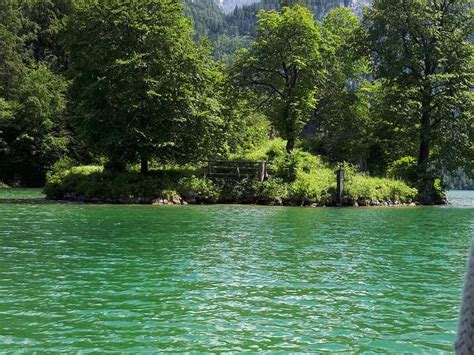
{"type": "Point", "coordinates": [230, 278]}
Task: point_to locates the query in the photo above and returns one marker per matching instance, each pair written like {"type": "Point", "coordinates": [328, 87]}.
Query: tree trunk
{"type": "Point", "coordinates": [144, 166]}
{"type": "Point", "coordinates": [290, 144]}
{"type": "Point", "coordinates": [426, 181]}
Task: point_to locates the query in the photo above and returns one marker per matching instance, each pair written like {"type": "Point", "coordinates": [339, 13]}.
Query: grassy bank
{"type": "Point", "coordinates": [298, 180]}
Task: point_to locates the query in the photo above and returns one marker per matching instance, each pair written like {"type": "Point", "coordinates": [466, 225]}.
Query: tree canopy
{"type": "Point", "coordinates": [142, 85]}
{"type": "Point", "coordinates": [423, 57]}
{"type": "Point", "coordinates": [32, 95]}
{"type": "Point", "coordinates": [282, 67]}
{"type": "Point", "coordinates": [122, 82]}
{"type": "Point", "coordinates": [340, 125]}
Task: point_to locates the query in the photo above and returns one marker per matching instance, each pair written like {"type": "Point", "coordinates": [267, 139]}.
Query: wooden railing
{"type": "Point", "coordinates": [237, 169]}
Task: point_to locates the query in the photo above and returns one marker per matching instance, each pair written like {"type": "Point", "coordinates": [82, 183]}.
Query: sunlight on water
{"type": "Point", "coordinates": [229, 278]}
{"type": "Point", "coordinates": [461, 198]}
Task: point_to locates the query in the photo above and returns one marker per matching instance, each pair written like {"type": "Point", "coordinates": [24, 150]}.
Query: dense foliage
{"type": "Point", "coordinates": [423, 58]}
{"type": "Point", "coordinates": [133, 87]}
{"type": "Point", "coordinates": [313, 183]}
{"type": "Point", "coordinates": [143, 85]}
{"type": "Point", "coordinates": [285, 84]}
{"type": "Point", "coordinates": [340, 126]}
{"type": "Point", "coordinates": [32, 92]}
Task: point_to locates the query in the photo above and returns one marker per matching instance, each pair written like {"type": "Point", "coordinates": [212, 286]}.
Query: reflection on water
{"type": "Point", "coordinates": [230, 278]}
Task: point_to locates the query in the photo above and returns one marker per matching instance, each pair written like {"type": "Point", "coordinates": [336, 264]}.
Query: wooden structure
{"type": "Point", "coordinates": [238, 169]}
{"type": "Point", "coordinates": [341, 176]}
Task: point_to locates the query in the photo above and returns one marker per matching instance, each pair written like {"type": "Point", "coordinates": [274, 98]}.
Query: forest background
{"type": "Point", "coordinates": [386, 92]}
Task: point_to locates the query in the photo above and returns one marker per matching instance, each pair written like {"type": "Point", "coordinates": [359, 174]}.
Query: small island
{"type": "Point", "coordinates": [122, 102]}
{"type": "Point", "coordinates": [142, 143]}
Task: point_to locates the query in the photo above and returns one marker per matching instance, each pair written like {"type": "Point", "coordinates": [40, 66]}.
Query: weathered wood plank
{"type": "Point", "coordinates": [233, 169]}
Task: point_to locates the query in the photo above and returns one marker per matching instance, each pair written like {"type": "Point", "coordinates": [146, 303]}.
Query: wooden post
{"type": "Point", "coordinates": [340, 186]}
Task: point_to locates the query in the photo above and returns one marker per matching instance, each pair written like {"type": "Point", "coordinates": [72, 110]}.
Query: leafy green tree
{"type": "Point", "coordinates": [32, 128]}
{"type": "Point", "coordinates": [341, 125]}
{"type": "Point", "coordinates": [47, 19]}
{"type": "Point", "coordinates": [14, 57]}
{"type": "Point", "coordinates": [245, 128]}
{"type": "Point", "coordinates": [423, 57]}
{"type": "Point", "coordinates": [282, 67]}
{"type": "Point", "coordinates": [32, 101]}
{"type": "Point", "coordinates": [142, 88]}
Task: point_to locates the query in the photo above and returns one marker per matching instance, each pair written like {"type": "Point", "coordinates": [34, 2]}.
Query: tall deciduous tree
{"type": "Point", "coordinates": [32, 100]}
{"type": "Point", "coordinates": [47, 17]}
{"type": "Point", "coordinates": [282, 67]}
{"type": "Point", "coordinates": [341, 122]}
{"type": "Point", "coordinates": [422, 53]}
{"type": "Point", "coordinates": [141, 86]}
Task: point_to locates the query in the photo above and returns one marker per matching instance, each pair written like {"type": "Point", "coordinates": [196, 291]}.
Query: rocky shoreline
{"type": "Point", "coordinates": [178, 201]}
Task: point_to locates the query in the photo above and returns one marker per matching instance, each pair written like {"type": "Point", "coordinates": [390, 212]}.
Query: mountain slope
{"type": "Point", "coordinates": [319, 7]}
{"type": "Point", "coordinates": [207, 17]}
{"type": "Point", "coordinates": [230, 5]}
{"type": "Point", "coordinates": [231, 24]}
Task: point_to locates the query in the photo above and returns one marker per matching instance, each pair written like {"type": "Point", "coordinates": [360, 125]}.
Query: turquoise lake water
{"type": "Point", "coordinates": [230, 278]}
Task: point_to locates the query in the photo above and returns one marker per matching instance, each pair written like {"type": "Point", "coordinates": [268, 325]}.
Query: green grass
{"type": "Point", "coordinates": [299, 179]}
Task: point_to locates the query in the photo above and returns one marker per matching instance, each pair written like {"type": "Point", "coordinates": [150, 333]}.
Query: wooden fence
{"type": "Point", "coordinates": [238, 169]}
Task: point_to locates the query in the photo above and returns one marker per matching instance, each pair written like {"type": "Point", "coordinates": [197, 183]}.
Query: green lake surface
{"type": "Point", "coordinates": [230, 278]}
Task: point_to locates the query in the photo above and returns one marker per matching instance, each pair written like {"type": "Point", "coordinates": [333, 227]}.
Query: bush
{"type": "Point", "coordinates": [300, 178]}
{"type": "Point", "coordinates": [303, 178]}
{"type": "Point", "coordinates": [274, 191]}
{"type": "Point", "coordinates": [170, 195]}
{"type": "Point", "coordinates": [200, 189]}
{"type": "Point", "coordinates": [311, 181]}
{"type": "Point", "coordinates": [365, 189]}
{"type": "Point", "coordinates": [71, 181]}
{"type": "Point", "coordinates": [242, 191]}
{"type": "Point", "coordinates": [62, 165]}
{"type": "Point", "coordinates": [92, 182]}
{"type": "Point", "coordinates": [441, 196]}
{"type": "Point", "coordinates": [314, 187]}
{"type": "Point", "coordinates": [404, 169]}
{"type": "Point", "coordinates": [268, 150]}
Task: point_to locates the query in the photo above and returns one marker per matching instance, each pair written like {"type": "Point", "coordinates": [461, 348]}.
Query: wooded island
{"type": "Point", "coordinates": [124, 101]}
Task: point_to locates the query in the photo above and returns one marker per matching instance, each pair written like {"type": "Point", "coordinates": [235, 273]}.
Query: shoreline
{"type": "Point", "coordinates": [164, 202]}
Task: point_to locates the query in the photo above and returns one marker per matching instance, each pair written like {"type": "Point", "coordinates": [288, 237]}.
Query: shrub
{"type": "Point", "coordinates": [92, 182]}
{"type": "Point", "coordinates": [274, 191]}
{"type": "Point", "coordinates": [300, 178]}
{"type": "Point", "coordinates": [170, 195]}
{"type": "Point", "coordinates": [365, 189]}
{"type": "Point", "coordinates": [441, 195]}
{"type": "Point", "coordinates": [268, 150]}
{"type": "Point", "coordinates": [70, 181]}
{"type": "Point", "coordinates": [201, 189]}
{"type": "Point", "coordinates": [314, 187]}
{"type": "Point", "coordinates": [404, 169]}
{"type": "Point", "coordinates": [242, 191]}
{"type": "Point", "coordinates": [62, 165]}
